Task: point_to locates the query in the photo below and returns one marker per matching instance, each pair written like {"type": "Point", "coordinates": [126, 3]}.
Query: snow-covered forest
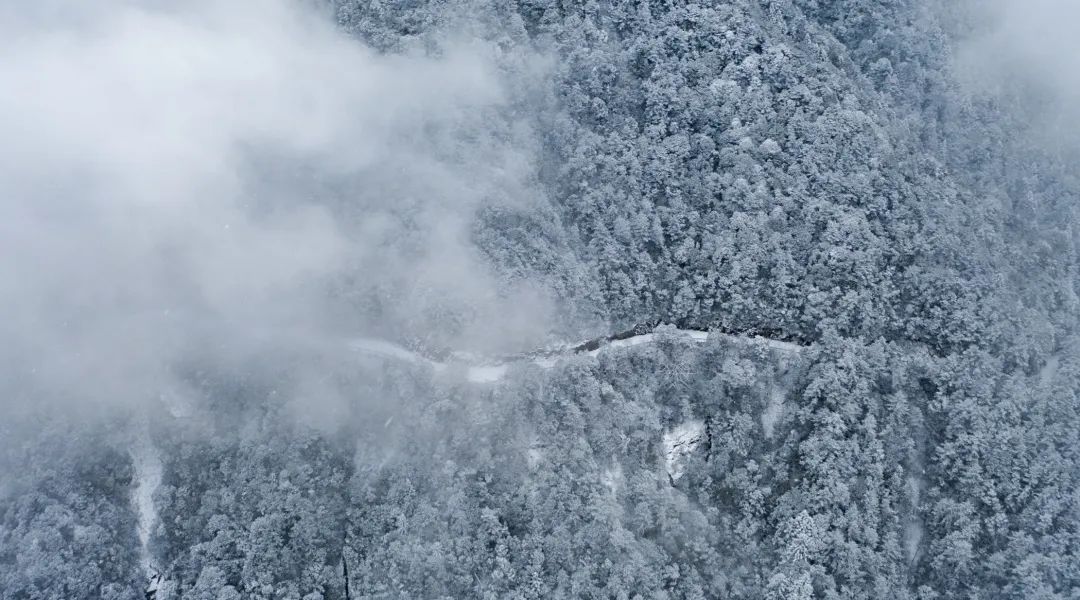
{"type": "Point", "coordinates": [630, 299]}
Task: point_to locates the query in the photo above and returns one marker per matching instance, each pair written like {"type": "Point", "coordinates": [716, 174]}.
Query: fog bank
{"type": "Point", "coordinates": [212, 180]}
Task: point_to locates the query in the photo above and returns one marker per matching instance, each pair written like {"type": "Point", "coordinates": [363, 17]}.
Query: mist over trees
{"type": "Point", "coordinates": [874, 223]}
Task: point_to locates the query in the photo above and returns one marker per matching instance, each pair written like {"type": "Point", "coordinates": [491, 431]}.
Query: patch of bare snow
{"type": "Point", "coordinates": [695, 335]}
{"type": "Point", "coordinates": [773, 411]}
{"type": "Point", "coordinates": [612, 477]}
{"type": "Point", "coordinates": [913, 530]}
{"type": "Point", "coordinates": [147, 463]}
{"type": "Point", "coordinates": [645, 338]}
{"type": "Point", "coordinates": [1048, 373]}
{"type": "Point", "coordinates": [533, 457]}
{"type": "Point", "coordinates": [913, 533]}
{"type": "Point", "coordinates": [486, 373]}
{"type": "Point", "coordinates": [679, 444]}
{"type": "Point", "coordinates": [390, 350]}
{"type": "Point", "coordinates": [154, 587]}
{"type": "Point", "coordinates": [770, 343]}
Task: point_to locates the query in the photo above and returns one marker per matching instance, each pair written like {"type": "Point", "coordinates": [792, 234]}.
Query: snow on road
{"type": "Point", "coordinates": [695, 335]}
{"type": "Point", "coordinates": [770, 343]}
{"type": "Point", "coordinates": [486, 370]}
{"type": "Point", "coordinates": [486, 373]}
{"type": "Point", "coordinates": [387, 349]}
{"type": "Point", "coordinates": [637, 340]}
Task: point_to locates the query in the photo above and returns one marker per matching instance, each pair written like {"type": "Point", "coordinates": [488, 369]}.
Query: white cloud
{"type": "Point", "coordinates": [193, 177]}
{"type": "Point", "coordinates": [1028, 53]}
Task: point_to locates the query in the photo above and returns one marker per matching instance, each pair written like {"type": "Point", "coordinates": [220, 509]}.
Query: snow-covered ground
{"type": "Point", "coordinates": [1049, 371]}
{"type": "Point", "coordinates": [612, 478]}
{"type": "Point", "coordinates": [773, 411]}
{"type": "Point", "coordinates": [479, 369]}
{"type": "Point", "coordinates": [147, 463]}
{"type": "Point", "coordinates": [486, 373]}
{"type": "Point", "coordinates": [385, 349]}
{"type": "Point", "coordinates": [770, 343]}
{"type": "Point", "coordinates": [913, 530]}
{"type": "Point", "coordinates": [679, 444]}
{"type": "Point", "coordinates": [637, 340]}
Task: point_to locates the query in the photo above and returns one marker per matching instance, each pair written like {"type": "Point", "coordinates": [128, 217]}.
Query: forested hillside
{"type": "Point", "coordinates": [639, 299]}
